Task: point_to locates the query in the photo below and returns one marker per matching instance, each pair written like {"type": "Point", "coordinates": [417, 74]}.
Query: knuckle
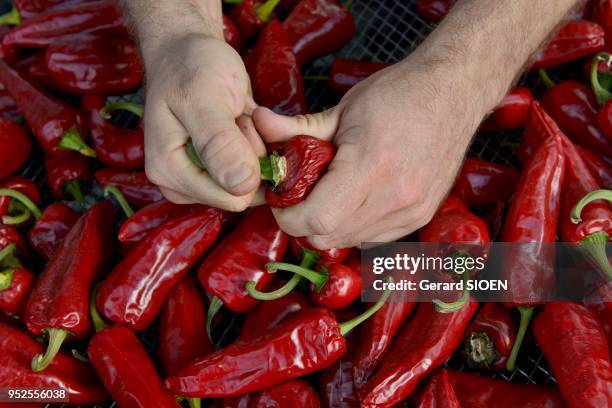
{"type": "Point", "coordinates": [321, 224]}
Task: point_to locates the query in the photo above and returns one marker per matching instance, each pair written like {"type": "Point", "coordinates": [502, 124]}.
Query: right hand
{"type": "Point", "coordinates": [198, 87]}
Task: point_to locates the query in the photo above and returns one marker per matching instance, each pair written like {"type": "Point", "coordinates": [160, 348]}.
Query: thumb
{"type": "Point", "coordinates": [277, 128]}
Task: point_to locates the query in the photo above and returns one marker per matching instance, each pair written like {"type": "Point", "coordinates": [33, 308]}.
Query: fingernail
{"type": "Point", "coordinates": [238, 176]}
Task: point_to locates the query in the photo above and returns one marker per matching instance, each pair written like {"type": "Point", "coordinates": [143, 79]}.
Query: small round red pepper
{"type": "Point", "coordinates": [51, 229]}
{"type": "Point", "coordinates": [15, 209]}
{"type": "Point", "coordinates": [16, 282]}
{"type": "Point", "coordinates": [65, 176]}
{"type": "Point", "coordinates": [511, 113]}
{"type": "Point", "coordinates": [16, 145]}
{"type": "Point", "coordinates": [481, 183]}
{"type": "Point", "coordinates": [434, 10]}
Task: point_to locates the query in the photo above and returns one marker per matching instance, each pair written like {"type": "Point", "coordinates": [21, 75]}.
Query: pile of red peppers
{"type": "Point", "coordinates": [83, 274]}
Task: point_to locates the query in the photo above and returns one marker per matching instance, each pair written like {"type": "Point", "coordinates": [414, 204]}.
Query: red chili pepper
{"type": "Point", "coordinates": [294, 168]}
{"type": "Point", "coordinates": [65, 176]}
{"type": "Point", "coordinates": [336, 385]}
{"type": "Point", "coordinates": [533, 217]}
{"type": "Point", "coordinates": [65, 372]}
{"type": "Point", "coordinates": [251, 16]}
{"type": "Point", "coordinates": [135, 186]}
{"type": "Point", "coordinates": [573, 107]}
{"type": "Point", "coordinates": [115, 146]}
{"type": "Point", "coordinates": [602, 308]}
{"type": "Point", "coordinates": [426, 343]}
{"type": "Point", "coordinates": [601, 13]}
{"type": "Point", "coordinates": [8, 107]}
{"type": "Point", "coordinates": [575, 346]}
{"type": "Point", "coordinates": [134, 292]}
{"type": "Point", "coordinates": [9, 235]}
{"type": "Point", "coordinates": [476, 391]}
{"type": "Point", "coordinates": [57, 126]}
{"type": "Point", "coordinates": [126, 370]}
{"type": "Point", "coordinates": [16, 145]}
{"type": "Point", "coordinates": [59, 303]}
{"type": "Point", "coordinates": [15, 282]}
{"type": "Point", "coordinates": [231, 34]}
{"type": "Point", "coordinates": [51, 229]}
{"type": "Point", "coordinates": [293, 393]}
{"type": "Point", "coordinates": [511, 113]}
{"type": "Point", "coordinates": [318, 27]}
{"type": "Point", "coordinates": [24, 10]}
{"type": "Point", "coordinates": [328, 256]}
{"type": "Point", "coordinates": [33, 66]}
{"type": "Point", "coordinates": [346, 73]}
{"type": "Point", "coordinates": [576, 39]}
{"type": "Point", "coordinates": [540, 126]}
{"type": "Point", "coordinates": [439, 393]}
{"type": "Point", "coordinates": [434, 10]}
{"type": "Point", "coordinates": [599, 168]}
{"type": "Point", "coordinates": [241, 257]}
{"type": "Point", "coordinates": [14, 211]}
{"type": "Point", "coordinates": [275, 74]}
{"type": "Point", "coordinates": [482, 183]}
{"type": "Point", "coordinates": [489, 338]}
{"type": "Point", "coordinates": [604, 120]}
{"type": "Point", "coordinates": [95, 65]}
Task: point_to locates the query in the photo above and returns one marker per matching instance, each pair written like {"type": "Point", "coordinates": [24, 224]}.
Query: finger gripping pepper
{"type": "Point", "coordinates": [16, 145]}
{"type": "Point", "coordinates": [59, 303]}
{"type": "Point", "coordinates": [294, 168]}
{"type": "Point", "coordinates": [50, 230]}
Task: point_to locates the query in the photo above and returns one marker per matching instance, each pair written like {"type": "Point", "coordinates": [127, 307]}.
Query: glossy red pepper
{"type": "Point", "coordinates": [16, 282]}
{"type": "Point", "coordinates": [575, 346]}
{"type": "Point", "coordinates": [439, 393]}
{"type": "Point", "coordinates": [573, 107]}
{"type": "Point", "coordinates": [135, 186]}
{"type": "Point", "coordinates": [293, 393]}
{"type": "Point", "coordinates": [476, 391]}
{"type": "Point", "coordinates": [294, 168]}
{"type": "Point", "coordinates": [65, 176]}
{"type": "Point", "coordinates": [540, 126]}
{"type": "Point", "coordinates": [65, 372]}
{"type": "Point", "coordinates": [59, 303]}
{"type": "Point", "coordinates": [424, 344]}
{"type": "Point", "coordinates": [346, 73]}
{"type": "Point", "coordinates": [489, 338]}
{"type": "Point", "coordinates": [434, 10]}
{"type": "Point", "coordinates": [51, 229]}
{"type": "Point", "coordinates": [134, 292]}
{"type": "Point", "coordinates": [533, 218]}
{"type": "Point", "coordinates": [34, 68]}
{"type": "Point", "coordinates": [328, 256]}
{"type": "Point", "coordinates": [241, 257]}
{"type": "Point", "coordinates": [601, 13]}
{"type": "Point", "coordinates": [481, 183]}
{"type": "Point", "coordinates": [8, 107]}
{"type": "Point", "coordinates": [115, 146]}
{"type": "Point", "coordinates": [604, 119]}
{"type": "Point", "coordinates": [511, 113]}
{"type": "Point", "coordinates": [57, 126]}
{"type": "Point", "coordinates": [13, 211]}
{"type": "Point", "coordinates": [27, 9]}
{"type": "Point", "coordinates": [231, 34]}
{"type": "Point", "coordinates": [9, 235]}
{"type": "Point", "coordinates": [318, 27]}
{"type": "Point", "coordinates": [602, 308]}
{"type": "Point", "coordinates": [576, 39]}
{"type": "Point", "coordinates": [275, 74]}
{"type": "Point", "coordinates": [126, 370]}
{"type": "Point", "coordinates": [94, 65]}
{"type": "Point", "coordinates": [251, 16]}
{"type": "Point", "coordinates": [16, 145]}
{"type": "Point", "coordinates": [599, 168]}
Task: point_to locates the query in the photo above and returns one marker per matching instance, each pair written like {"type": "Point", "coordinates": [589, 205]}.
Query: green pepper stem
{"type": "Point", "coordinates": [601, 94]}
{"type": "Point", "coordinates": [112, 191]}
{"type": "Point", "coordinates": [213, 309]}
{"type": "Point", "coordinates": [6, 277]}
{"type": "Point", "coordinates": [72, 140]}
{"type": "Point", "coordinates": [16, 219]}
{"type": "Point", "coordinates": [265, 9]}
{"type": "Point", "coordinates": [319, 279]}
{"type": "Point", "coordinates": [273, 168]}
{"type": "Point", "coordinates": [56, 338]}
{"type": "Point", "coordinates": [193, 155]}
{"type": "Point", "coordinates": [73, 188]}
{"type": "Point", "coordinates": [13, 17]}
{"type": "Point", "coordinates": [349, 325]}
{"type": "Point", "coordinates": [315, 77]}
{"type": "Point", "coordinates": [194, 402]}
{"type": "Point", "coordinates": [232, 1]}
{"type": "Point", "coordinates": [81, 357]}
{"type": "Point", "coordinates": [96, 319]}
{"type": "Point", "coordinates": [526, 315]}
{"type": "Point", "coordinates": [458, 304]}
{"type": "Point", "coordinates": [548, 83]}
{"type": "Point", "coordinates": [8, 258]}
{"type": "Point", "coordinates": [595, 246]}
{"type": "Point", "coordinates": [135, 108]}
{"type": "Point", "coordinates": [23, 199]}
{"type": "Point", "coordinates": [586, 200]}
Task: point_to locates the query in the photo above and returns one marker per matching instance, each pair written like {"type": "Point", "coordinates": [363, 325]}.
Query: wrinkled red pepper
{"type": "Point", "coordinates": [575, 346]}
{"type": "Point", "coordinates": [126, 370]}
{"type": "Point", "coordinates": [58, 127]}
{"type": "Point", "coordinates": [59, 303]}
{"type": "Point", "coordinates": [318, 27]}
{"type": "Point", "coordinates": [135, 186]}
{"type": "Point", "coordinates": [511, 113]}
{"type": "Point", "coordinates": [231, 34]}
{"type": "Point", "coordinates": [275, 74]}
{"type": "Point", "coordinates": [481, 183]}
{"type": "Point", "coordinates": [251, 16]}
{"type": "Point", "coordinates": [134, 292]}
{"type": "Point", "coordinates": [540, 126]}
{"type": "Point", "coordinates": [14, 210]}
{"type": "Point", "coordinates": [294, 168]}
{"type": "Point", "coordinates": [600, 169]}
{"type": "Point", "coordinates": [601, 13]}
{"type": "Point", "coordinates": [9, 235]}
{"type": "Point", "coordinates": [16, 282]}
{"type": "Point", "coordinates": [65, 372]}
{"type": "Point", "coordinates": [115, 146]}
{"type": "Point", "coordinates": [66, 175]}
{"type": "Point", "coordinates": [434, 10]}
{"type": "Point", "coordinates": [424, 344]}
{"type": "Point", "coordinates": [576, 39]}
{"type": "Point", "coordinates": [293, 393]}
{"type": "Point", "coordinates": [489, 338]}
{"type": "Point", "coordinates": [336, 385]}
{"type": "Point", "coordinates": [16, 145]}
{"type": "Point", "coordinates": [27, 9]}
{"type": "Point", "coordinates": [34, 67]}
{"type": "Point", "coordinates": [94, 65]}
{"type": "Point", "coordinates": [439, 393]}
{"type": "Point", "coordinates": [346, 73]}
{"type": "Point", "coordinates": [51, 229]}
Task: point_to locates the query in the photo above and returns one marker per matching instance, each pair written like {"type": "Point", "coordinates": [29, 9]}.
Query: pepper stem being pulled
{"type": "Point", "coordinates": [526, 315]}
{"type": "Point", "coordinates": [193, 154]}
{"type": "Point", "coordinates": [96, 319]}
{"type": "Point", "coordinates": [13, 17]}
{"type": "Point", "coordinates": [6, 277]}
{"type": "Point", "coordinates": [319, 279]}
{"type": "Point", "coordinates": [356, 321]}
{"type": "Point", "coordinates": [601, 94]}
{"type": "Point", "coordinates": [213, 309]}
{"type": "Point", "coordinates": [548, 83]}
{"type": "Point", "coordinates": [132, 107]}
{"type": "Point", "coordinates": [265, 9]}
{"type": "Point", "coordinates": [56, 338]}
{"type": "Point", "coordinates": [112, 191]}
{"type": "Point", "coordinates": [451, 307]}
{"type": "Point", "coordinates": [480, 351]}
{"type": "Point", "coordinates": [23, 199]}
{"type": "Point", "coordinates": [72, 140]}
{"type": "Point", "coordinates": [273, 168]}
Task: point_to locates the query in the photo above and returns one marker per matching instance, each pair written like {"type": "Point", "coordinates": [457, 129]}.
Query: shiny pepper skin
{"type": "Point", "coordinates": [434, 10]}
{"type": "Point", "coordinates": [481, 183]}
{"type": "Point", "coordinates": [343, 287]}
{"type": "Point", "coordinates": [600, 169]}
{"type": "Point", "coordinates": [50, 230]}
{"type": "Point", "coordinates": [511, 113]}
{"type": "Point", "coordinates": [61, 171]}
{"type": "Point", "coordinates": [14, 296]}
{"type": "Point", "coordinates": [135, 186]}
{"type": "Point", "coordinates": [328, 256]}
{"type": "Point", "coordinates": [290, 394]}
{"type": "Point", "coordinates": [604, 119]}
{"type": "Point", "coordinates": [9, 235]}
{"type": "Point", "coordinates": [16, 145]}
{"type": "Point", "coordinates": [601, 13]}
{"type": "Point", "coordinates": [439, 393]}
{"type": "Point", "coordinates": [346, 73]}
{"type": "Point", "coordinates": [231, 34]}
{"type": "Point", "coordinates": [22, 185]}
